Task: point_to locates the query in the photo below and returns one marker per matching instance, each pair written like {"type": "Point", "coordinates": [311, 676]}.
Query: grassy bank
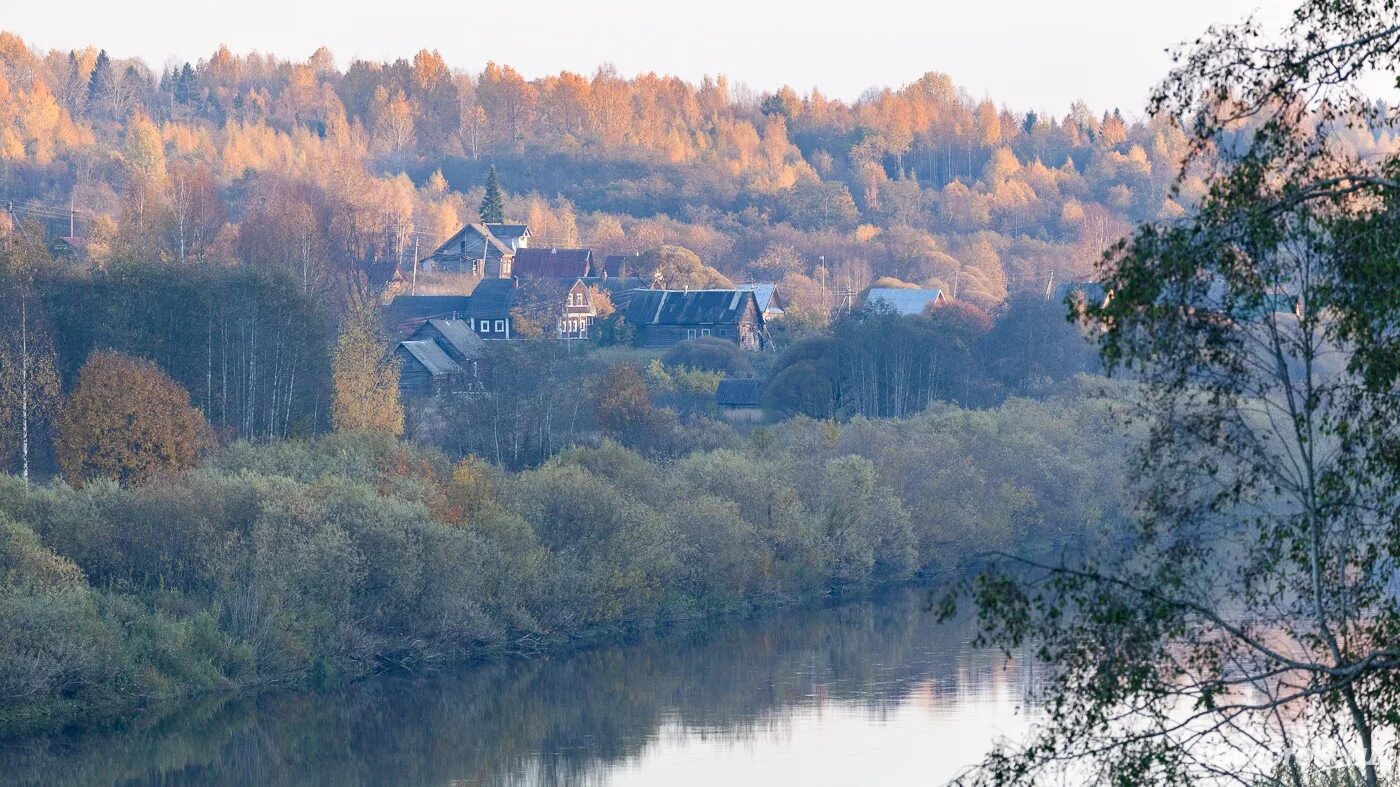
{"type": "Point", "coordinates": [309, 560]}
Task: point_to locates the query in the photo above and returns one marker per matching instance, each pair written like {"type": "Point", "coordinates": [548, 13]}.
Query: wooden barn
{"type": "Point", "coordinates": [425, 369]}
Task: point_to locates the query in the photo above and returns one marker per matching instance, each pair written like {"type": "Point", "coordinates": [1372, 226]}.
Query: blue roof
{"type": "Point", "coordinates": [901, 300]}
{"type": "Point", "coordinates": [762, 293]}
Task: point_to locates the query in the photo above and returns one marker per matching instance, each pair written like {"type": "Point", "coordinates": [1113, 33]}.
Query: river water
{"type": "Point", "coordinates": [874, 692]}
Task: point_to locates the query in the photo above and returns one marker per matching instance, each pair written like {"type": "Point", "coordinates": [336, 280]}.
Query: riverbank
{"type": "Point", "coordinates": [737, 693]}
{"type": "Point", "coordinates": [299, 563]}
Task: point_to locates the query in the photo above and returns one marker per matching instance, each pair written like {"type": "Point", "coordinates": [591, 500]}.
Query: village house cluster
{"type": "Point", "coordinates": [527, 292]}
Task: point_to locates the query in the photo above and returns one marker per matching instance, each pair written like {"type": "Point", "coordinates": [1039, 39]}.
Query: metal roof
{"type": "Point", "coordinates": [901, 300]}
{"type": "Point", "coordinates": [552, 263]}
{"type": "Point", "coordinates": [433, 358]}
{"type": "Point", "coordinates": [763, 294]}
{"type": "Point", "coordinates": [462, 342]}
{"type": "Point", "coordinates": [686, 307]}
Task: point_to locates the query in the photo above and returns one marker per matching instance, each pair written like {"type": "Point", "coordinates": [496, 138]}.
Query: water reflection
{"type": "Point", "coordinates": [874, 692]}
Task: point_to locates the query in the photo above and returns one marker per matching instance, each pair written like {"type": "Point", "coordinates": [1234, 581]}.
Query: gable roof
{"type": "Point", "coordinates": [492, 299]}
{"type": "Point", "coordinates": [461, 341]}
{"type": "Point", "coordinates": [475, 241]}
{"type": "Point", "coordinates": [407, 313]}
{"type": "Point", "coordinates": [901, 300]}
{"type": "Point", "coordinates": [509, 234]}
{"type": "Point", "coordinates": [687, 307]}
{"type": "Point", "coordinates": [739, 392]}
{"type": "Point", "coordinates": [433, 357]}
{"type": "Point", "coordinates": [765, 295]}
{"type": "Point", "coordinates": [553, 263]}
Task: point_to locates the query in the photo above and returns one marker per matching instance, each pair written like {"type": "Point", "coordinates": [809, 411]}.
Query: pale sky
{"type": "Point", "coordinates": [1026, 54]}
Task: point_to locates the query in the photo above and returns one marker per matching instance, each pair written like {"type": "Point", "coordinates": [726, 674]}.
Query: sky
{"type": "Point", "coordinates": [1021, 53]}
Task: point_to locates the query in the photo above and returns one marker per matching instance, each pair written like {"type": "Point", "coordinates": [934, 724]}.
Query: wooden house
{"type": "Point", "coordinates": [584, 301]}
{"type": "Point", "coordinates": [663, 318]}
{"type": "Point", "coordinates": [485, 250]}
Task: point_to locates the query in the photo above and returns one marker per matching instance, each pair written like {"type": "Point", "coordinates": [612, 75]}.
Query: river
{"type": "Point", "coordinates": [871, 692]}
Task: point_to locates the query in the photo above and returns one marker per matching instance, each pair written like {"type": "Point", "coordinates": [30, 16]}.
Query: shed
{"type": "Point", "coordinates": [740, 399]}
{"type": "Point", "coordinates": [425, 368]}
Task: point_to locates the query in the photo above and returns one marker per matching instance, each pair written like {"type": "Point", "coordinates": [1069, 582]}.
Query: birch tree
{"type": "Point", "coordinates": [1247, 634]}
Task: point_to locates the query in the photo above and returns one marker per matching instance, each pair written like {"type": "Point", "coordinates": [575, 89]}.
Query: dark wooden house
{"type": "Point", "coordinates": [486, 250]}
{"type": "Point", "coordinates": [425, 369]}
{"type": "Point", "coordinates": [665, 317]}
{"type": "Point", "coordinates": [442, 356]}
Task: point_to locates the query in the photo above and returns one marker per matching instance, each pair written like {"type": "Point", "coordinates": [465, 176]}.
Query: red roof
{"type": "Point", "coordinates": [552, 263]}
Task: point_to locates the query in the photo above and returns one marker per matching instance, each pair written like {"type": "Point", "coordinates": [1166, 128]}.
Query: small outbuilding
{"type": "Point", "coordinates": [740, 399]}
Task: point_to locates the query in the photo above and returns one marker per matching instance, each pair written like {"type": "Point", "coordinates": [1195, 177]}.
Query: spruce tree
{"type": "Point", "coordinates": [493, 209]}
{"type": "Point", "coordinates": [101, 81]}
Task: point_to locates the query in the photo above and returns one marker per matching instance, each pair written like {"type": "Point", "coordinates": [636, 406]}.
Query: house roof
{"type": "Point", "coordinates": [475, 241]}
{"type": "Point", "coordinates": [492, 299]}
{"type": "Point", "coordinates": [614, 284]}
{"type": "Point", "coordinates": [618, 264]}
{"type": "Point", "coordinates": [462, 341]}
{"type": "Point", "coordinates": [686, 307]}
{"type": "Point", "coordinates": [553, 263]}
{"type": "Point", "coordinates": [509, 233]}
{"type": "Point", "coordinates": [382, 273]}
{"type": "Point", "coordinates": [765, 295]}
{"type": "Point", "coordinates": [739, 392]}
{"type": "Point", "coordinates": [902, 300]}
{"type": "Point", "coordinates": [408, 312]}
{"type": "Point", "coordinates": [433, 357]}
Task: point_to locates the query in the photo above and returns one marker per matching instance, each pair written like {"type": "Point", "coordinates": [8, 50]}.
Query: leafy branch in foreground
{"type": "Point", "coordinates": [1250, 634]}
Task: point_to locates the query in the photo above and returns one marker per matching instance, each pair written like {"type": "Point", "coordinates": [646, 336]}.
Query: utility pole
{"type": "Point", "coordinates": [413, 289]}
{"type": "Point", "coordinates": [1050, 284]}
{"type": "Point", "coordinates": [72, 218]}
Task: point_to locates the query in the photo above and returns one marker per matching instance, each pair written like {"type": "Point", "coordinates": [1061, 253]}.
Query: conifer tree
{"type": "Point", "coordinates": [493, 209]}
{"type": "Point", "coordinates": [102, 80]}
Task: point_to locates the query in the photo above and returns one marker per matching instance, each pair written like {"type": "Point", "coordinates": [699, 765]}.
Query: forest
{"type": "Point", "coordinates": [251, 160]}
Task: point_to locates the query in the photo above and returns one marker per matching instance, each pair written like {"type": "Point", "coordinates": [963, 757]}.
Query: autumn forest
{"type": "Point", "coordinates": [258, 161]}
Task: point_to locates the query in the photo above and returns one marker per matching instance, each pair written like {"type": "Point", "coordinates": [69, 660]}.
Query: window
{"type": "Point", "coordinates": [704, 331]}
{"type": "Point", "coordinates": [485, 326]}
{"type": "Point", "coordinates": [690, 333]}
{"type": "Point", "coordinates": [500, 326]}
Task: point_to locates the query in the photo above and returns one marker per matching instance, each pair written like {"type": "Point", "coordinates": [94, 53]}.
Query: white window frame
{"type": "Point", "coordinates": [704, 332]}
{"type": "Point", "coordinates": [690, 333]}
{"type": "Point", "coordinates": [500, 326]}
{"type": "Point", "coordinates": [485, 326]}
